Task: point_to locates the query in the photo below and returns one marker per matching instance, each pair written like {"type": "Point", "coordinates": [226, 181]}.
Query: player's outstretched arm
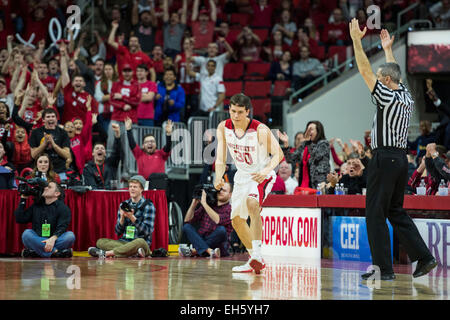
{"type": "Point", "coordinates": [221, 156]}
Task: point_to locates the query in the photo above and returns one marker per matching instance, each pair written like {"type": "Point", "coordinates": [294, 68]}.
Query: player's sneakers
{"type": "Point", "coordinates": [256, 264]}
{"type": "Point", "coordinates": [244, 268]}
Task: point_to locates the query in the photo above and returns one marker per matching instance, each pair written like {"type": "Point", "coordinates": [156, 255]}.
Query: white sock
{"type": "Point", "coordinates": [256, 244]}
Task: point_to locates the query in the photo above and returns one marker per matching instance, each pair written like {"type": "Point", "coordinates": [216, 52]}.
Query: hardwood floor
{"type": "Point", "coordinates": [176, 278]}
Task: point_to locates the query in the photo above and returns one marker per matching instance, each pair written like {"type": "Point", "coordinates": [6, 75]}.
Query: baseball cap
{"type": "Point", "coordinates": [127, 66]}
{"type": "Point", "coordinates": [138, 178]}
{"type": "Point", "coordinates": [204, 11]}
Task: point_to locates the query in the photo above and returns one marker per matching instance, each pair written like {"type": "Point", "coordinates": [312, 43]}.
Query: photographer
{"type": "Point", "coordinates": [135, 222]}
{"type": "Point", "coordinates": [50, 219]}
{"type": "Point", "coordinates": [215, 225]}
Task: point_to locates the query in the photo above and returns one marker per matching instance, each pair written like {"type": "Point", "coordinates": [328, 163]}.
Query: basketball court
{"type": "Point", "coordinates": [177, 278]}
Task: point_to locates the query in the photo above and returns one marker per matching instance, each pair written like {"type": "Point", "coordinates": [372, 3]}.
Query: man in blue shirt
{"type": "Point", "coordinates": [170, 99]}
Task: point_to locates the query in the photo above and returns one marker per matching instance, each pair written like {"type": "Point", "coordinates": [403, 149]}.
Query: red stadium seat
{"type": "Point", "coordinates": [232, 88]}
{"type": "Point", "coordinates": [159, 38]}
{"type": "Point", "coordinates": [233, 71]}
{"type": "Point", "coordinates": [241, 19]}
{"type": "Point", "coordinates": [261, 108]}
{"type": "Point", "coordinates": [280, 87]}
{"type": "Point", "coordinates": [257, 71]}
{"type": "Point", "coordinates": [340, 51]}
{"type": "Point", "coordinates": [321, 53]}
{"type": "Point", "coordinates": [263, 34]}
{"type": "Point", "coordinates": [257, 88]}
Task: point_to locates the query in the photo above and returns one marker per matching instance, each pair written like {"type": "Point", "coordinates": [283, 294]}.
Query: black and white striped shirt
{"type": "Point", "coordinates": [391, 121]}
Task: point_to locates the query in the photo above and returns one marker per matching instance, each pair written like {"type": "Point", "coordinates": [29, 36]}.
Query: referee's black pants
{"type": "Point", "coordinates": [386, 182]}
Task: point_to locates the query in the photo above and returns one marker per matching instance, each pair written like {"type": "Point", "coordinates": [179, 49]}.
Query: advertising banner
{"type": "Point", "coordinates": [293, 232]}
{"type": "Point", "coordinates": [350, 239]}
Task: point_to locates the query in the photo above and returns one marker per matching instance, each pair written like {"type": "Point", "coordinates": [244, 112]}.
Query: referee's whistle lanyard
{"type": "Point", "coordinates": [100, 172]}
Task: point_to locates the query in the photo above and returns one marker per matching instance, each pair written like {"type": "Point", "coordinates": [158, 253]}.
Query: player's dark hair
{"type": "Point", "coordinates": [241, 100]}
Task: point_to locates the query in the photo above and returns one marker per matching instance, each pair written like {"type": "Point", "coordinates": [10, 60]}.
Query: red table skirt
{"type": "Point", "coordinates": [94, 215]}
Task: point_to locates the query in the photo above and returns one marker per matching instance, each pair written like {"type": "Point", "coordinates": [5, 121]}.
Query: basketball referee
{"type": "Point", "coordinates": [388, 168]}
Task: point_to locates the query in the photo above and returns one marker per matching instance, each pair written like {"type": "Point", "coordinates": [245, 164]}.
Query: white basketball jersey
{"type": "Point", "coordinates": [248, 154]}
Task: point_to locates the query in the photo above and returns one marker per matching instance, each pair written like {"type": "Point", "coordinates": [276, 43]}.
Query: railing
{"type": "Point", "coordinates": [197, 127]}
{"type": "Point", "coordinates": [187, 144]}
{"type": "Point", "coordinates": [177, 166]}
{"type": "Point", "coordinates": [88, 15]}
{"type": "Point", "coordinates": [350, 62]}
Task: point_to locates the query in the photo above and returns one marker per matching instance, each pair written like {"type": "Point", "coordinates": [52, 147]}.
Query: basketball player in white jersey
{"type": "Point", "coordinates": [256, 153]}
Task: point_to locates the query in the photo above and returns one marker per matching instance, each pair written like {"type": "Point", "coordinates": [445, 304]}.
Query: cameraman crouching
{"type": "Point", "coordinates": [50, 219]}
{"type": "Point", "coordinates": [215, 225]}
{"type": "Point", "coordinates": [135, 222]}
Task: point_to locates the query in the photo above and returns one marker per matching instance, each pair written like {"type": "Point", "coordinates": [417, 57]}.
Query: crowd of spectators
{"type": "Point", "coordinates": [63, 105]}
{"type": "Point", "coordinates": [158, 61]}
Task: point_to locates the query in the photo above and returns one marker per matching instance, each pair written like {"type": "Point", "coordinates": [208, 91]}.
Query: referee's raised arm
{"type": "Point", "coordinates": [364, 67]}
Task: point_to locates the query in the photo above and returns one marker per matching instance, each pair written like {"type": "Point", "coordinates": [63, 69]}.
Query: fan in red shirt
{"type": "Point", "coordinates": [75, 98]}
{"type": "Point", "coordinates": [262, 14]}
{"type": "Point", "coordinates": [37, 21]}
{"type": "Point", "coordinates": [133, 55]}
{"type": "Point", "coordinates": [336, 33]}
{"type": "Point", "coordinates": [80, 135]}
{"type": "Point", "coordinates": [158, 61]}
{"type": "Point", "coordinates": [125, 96]}
{"type": "Point", "coordinates": [302, 39]}
{"type": "Point", "coordinates": [202, 25]}
{"type": "Point", "coordinates": [189, 84]}
{"type": "Point", "coordinates": [48, 81]}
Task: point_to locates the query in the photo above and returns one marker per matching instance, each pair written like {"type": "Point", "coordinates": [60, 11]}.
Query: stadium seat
{"type": "Point", "coordinates": [232, 88]}
{"type": "Point", "coordinates": [241, 19]}
{"type": "Point", "coordinates": [257, 88]}
{"type": "Point", "coordinates": [341, 52]}
{"type": "Point", "coordinates": [261, 108]}
{"type": "Point", "coordinates": [159, 38]}
{"type": "Point", "coordinates": [233, 71]}
{"type": "Point", "coordinates": [263, 34]}
{"type": "Point", "coordinates": [321, 53]}
{"type": "Point", "coordinates": [257, 71]}
{"type": "Point", "coordinates": [280, 87]}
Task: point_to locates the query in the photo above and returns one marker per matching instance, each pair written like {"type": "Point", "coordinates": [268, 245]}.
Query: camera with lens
{"type": "Point", "coordinates": [32, 187]}
{"type": "Point", "coordinates": [125, 206]}
{"type": "Point", "coordinates": [211, 193]}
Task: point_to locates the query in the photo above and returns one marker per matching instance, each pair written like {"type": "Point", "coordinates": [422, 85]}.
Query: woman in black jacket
{"type": "Point", "coordinates": [312, 157]}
